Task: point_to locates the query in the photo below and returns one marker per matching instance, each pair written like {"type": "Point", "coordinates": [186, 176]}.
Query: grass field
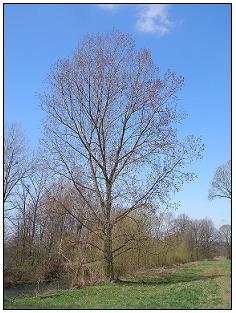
{"type": "Point", "coordinates": [197, 285]}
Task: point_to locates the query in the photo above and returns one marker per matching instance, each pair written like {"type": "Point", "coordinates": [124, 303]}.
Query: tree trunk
{"type": "Point", "coordinates": [108, 257]}
{"type": "Point", "coordinates": [228, 247]}
{"type": "Point", "coordinates": [197, 254]}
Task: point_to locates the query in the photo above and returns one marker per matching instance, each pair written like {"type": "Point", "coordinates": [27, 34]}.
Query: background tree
{"type": "Point", "coordinates": [111, 132]}
{"type": "Point", "coordinates": [221, 183]}
{"type": "Point", "coordinates": [16, 162]}
{"type": "Point", "coordinates": [225, 236]}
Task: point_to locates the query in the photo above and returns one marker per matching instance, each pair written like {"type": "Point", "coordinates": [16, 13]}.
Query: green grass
{"type": "Point", "coordinates": [197, 285]}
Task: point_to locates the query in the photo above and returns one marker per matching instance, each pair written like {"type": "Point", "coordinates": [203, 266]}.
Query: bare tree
{"type": "Point", "coordinates": [16, 163]}
{"type": "Point", "coordinates": [221, 183]}
{"type": "Point", "coordinates": [27, 203]}
{"type": "Point", "coordinates": [225, 235]}
{"type": "Point", "coordinates": [111, 131]}
{"type": "Point", "coordinates": [181, 224]}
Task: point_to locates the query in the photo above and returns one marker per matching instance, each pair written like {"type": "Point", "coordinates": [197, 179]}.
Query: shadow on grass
{"type": "Point", "coordinates": [170, 279]}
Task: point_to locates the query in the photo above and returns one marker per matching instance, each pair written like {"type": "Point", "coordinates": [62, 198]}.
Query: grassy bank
{"type": "Point", "coordinates": [198, 285]}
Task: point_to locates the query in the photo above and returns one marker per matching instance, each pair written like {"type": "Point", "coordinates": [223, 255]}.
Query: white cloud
{"type": "Point", "coordinates": [108, 6]}
{"type": "Point", "coordinates": [151, 17]}
{"type": "Point", "coordinates": [154, 18]}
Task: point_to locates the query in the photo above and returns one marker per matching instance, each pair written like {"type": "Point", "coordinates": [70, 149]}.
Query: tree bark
{"type": "Point", "coordinates": [108, 256]}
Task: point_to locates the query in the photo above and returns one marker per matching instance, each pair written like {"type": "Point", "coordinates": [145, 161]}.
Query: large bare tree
{"type": "Point", "coordinates": [111, 131]}
{"type": "Point", "coordinates": [221, 183]}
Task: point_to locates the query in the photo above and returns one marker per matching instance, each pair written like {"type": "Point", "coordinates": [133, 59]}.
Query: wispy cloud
{"type": "Point", "coordinates": [154, 18]}
{"type": "Point", "coordinates": [108, 6]}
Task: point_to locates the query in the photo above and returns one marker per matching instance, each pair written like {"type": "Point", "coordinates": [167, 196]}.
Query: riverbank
{"type": "Point", "coordinates": [197, 285]}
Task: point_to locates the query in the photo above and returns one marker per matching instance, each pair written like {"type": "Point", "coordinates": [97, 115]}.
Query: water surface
{"type": "Point", "coordinates": [26, 289]}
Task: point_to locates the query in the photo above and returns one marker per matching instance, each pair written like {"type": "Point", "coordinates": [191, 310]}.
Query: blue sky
{"type": "Point", "coordinates": [193, 40]}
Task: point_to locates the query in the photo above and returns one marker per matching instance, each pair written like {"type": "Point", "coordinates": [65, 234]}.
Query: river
{"type": "Point", "coordinates": [33, 289]}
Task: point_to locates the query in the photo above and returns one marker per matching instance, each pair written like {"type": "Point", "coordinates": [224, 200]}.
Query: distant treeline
{"type": "Point", "coordinates": [46, 242]}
